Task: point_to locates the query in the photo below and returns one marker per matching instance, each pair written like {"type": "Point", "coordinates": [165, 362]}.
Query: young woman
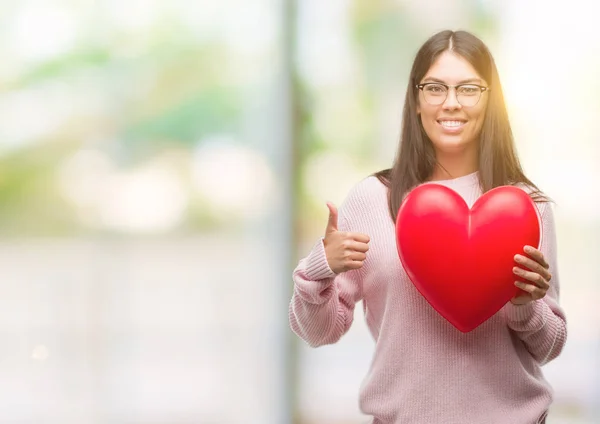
{"type": "Point", "coordinates": [455, 132]}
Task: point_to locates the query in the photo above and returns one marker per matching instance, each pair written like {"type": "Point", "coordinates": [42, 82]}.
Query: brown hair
{"type": "Point", "coordinates": [415, 160]}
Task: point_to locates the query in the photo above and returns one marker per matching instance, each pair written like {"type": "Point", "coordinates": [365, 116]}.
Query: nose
{"type": "Point", "coordinates": [451, 102]}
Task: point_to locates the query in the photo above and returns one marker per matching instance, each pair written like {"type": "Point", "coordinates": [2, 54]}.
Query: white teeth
{"type": "Point", "coordinates": [451, 123]}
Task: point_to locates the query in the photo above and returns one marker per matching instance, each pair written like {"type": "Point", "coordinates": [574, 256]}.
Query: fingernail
{"type": "Point", "coordinates": [518, 258]}
{"type": "Point", "coordinates": [516, 270]}
{"type": "Point", "coordinates": [528, 249]}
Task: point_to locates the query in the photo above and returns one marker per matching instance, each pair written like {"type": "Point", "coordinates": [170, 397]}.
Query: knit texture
{"type": "Point", "coordinates": [423, 370]}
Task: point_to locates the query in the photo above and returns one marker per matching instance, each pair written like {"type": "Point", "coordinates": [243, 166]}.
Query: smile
{"type": "Point", "coordinates": [452, 125]}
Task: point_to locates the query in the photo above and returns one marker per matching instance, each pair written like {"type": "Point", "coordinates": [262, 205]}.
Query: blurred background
{"type": "Point", "coordinates": [164, 165]}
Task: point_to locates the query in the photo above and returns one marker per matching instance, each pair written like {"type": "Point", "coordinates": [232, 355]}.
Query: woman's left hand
{"type": "Point", "coordinates": [536, 275]}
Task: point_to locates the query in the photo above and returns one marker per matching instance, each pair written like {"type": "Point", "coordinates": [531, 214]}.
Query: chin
{"type": "Point", "coordinates": [451, 144]}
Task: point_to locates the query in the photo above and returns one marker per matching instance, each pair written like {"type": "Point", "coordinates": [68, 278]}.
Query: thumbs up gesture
{"type": "Point", "coordinates": [344, 250]}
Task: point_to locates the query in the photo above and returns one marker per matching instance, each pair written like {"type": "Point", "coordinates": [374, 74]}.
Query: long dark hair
{"type": "Point", "coordinates": [415, 160]}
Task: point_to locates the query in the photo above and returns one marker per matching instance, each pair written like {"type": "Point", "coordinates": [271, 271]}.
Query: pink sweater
{"type": "Point", "coordinates": [423, 370]}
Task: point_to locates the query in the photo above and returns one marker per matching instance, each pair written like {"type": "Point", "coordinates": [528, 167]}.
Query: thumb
{"type": "Point", "coordinates": [332, 223]}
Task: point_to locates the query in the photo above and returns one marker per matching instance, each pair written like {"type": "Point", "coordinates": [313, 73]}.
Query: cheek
{"type": "Point", "coordinates": [429, 125]}
{"type": "Point", "coordinates": [479, 118]}
{"type": "Point", "coordinates": [427, 114]}
{"type": "Point", "coordinates": [425, 121]}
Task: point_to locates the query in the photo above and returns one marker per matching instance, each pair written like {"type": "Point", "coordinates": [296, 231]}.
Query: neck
{"type": "Point", "coordinates": [454, 166]}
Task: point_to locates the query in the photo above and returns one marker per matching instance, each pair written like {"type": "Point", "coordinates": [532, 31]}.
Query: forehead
{"type": "Point", "coordinates": [452, 69]}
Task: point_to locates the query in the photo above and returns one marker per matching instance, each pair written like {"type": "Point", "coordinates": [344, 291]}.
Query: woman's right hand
{"type": "Point", "coordinates": [344, 250]}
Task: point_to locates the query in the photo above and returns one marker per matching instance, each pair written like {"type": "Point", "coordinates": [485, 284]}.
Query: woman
{"type": "Point", "coordinates": [455, 132]}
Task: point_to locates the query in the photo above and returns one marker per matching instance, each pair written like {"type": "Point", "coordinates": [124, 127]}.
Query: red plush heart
{"type": "Point", "coordinates": [461, 260]}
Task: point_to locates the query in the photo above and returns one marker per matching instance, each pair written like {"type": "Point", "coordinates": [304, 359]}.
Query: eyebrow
{"type": "Point", "coordinates": [467, 81]}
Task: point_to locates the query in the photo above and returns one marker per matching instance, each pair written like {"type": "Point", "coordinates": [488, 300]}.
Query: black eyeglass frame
{"type": "Point", "coordinates": [483, 89]}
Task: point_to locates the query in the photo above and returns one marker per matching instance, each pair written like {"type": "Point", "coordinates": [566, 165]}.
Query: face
{"type": "Point", "coordinates": [452, 127]}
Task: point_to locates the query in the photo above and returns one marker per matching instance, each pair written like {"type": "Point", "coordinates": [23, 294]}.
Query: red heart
{"type": "Point", "coordinates": [461, 260]}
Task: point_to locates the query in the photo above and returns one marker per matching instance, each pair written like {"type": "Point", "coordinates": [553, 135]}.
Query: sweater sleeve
{"type": "Point", "coordinates": [321, 310]}
{"type": "Point", "coordinates": [541, 324]}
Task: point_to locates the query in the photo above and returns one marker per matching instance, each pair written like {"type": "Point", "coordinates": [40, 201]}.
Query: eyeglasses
{"type": "Point", "coordinates": [467, 95]}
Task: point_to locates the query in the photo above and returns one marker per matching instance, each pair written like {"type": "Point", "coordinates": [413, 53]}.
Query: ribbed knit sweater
{"type": "Point", "coordinates": [423, 370]}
